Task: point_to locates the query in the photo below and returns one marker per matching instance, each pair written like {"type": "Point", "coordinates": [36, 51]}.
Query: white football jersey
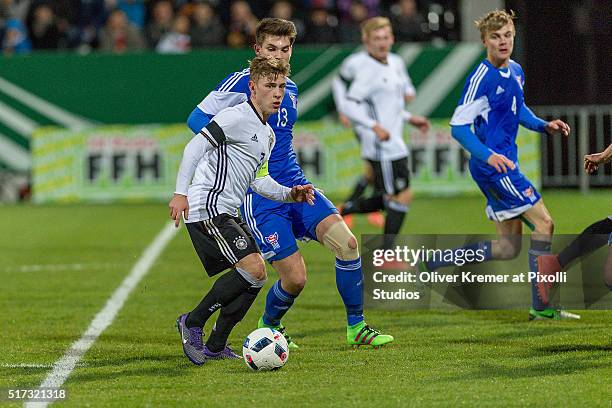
{"type": "Point", "coordinates": [240, 144]}
{"type": "Point", "coordinates": [379, 89]}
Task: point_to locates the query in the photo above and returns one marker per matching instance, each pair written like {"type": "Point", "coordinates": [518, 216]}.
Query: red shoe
{"type": "Point", "coordinates": [348, 219]}
{"type": "Point", "coordinates": [394, 266]}
{"type": "Point", "coordinates": [547, 265]}
{"type": "Point", "coordinates": [376, 219]}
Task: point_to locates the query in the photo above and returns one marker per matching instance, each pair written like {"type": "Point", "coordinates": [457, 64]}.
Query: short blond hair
{"type": "Point", "coordinates": [373, 24]}
{"type": "Point", "coordinates": [493, 21]}
{"type": "Point", "coordinates": [263, 67]}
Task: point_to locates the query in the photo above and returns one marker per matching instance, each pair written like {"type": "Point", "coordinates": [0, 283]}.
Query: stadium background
{"type": "Point", "coordinates": [60, 262]}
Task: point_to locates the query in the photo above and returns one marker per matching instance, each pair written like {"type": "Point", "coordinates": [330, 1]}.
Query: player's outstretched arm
{"type": "Point", "coordinates": [268, 187]}
{"type": "Point", "coordinates": [593, 160]}
{"type": "Point", "coordinates": [529, 120]}
{"type": "Point", "coordinates": [418, 121]}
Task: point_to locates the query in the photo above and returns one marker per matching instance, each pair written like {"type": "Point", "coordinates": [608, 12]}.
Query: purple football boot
{"type": "Point", "coordinates": [226, 353]}
{"type": "Point", "coordinates": [192, 341]}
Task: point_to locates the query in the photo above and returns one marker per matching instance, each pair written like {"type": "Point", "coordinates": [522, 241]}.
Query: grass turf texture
{"type": "Point", "coordinates": [439, 358]}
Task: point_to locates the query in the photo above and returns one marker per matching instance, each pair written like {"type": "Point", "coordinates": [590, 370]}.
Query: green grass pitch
{"type": "Point", "coordinates": [59, 265]}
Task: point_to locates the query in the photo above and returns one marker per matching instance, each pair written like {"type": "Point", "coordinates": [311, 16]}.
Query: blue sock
{"type": "Point", "coordinates": [484, 246]}
{"type": "Point", "coordinates": [349, 281]}
{"type": "Point", "coordinates": [536, 249]}
{"type": "Point", "coordinates": [278, 301]}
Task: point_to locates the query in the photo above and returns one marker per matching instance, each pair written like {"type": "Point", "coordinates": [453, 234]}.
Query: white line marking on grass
{"type": "Point", "coordinates": [33, 365]}
{"type": "Point", "coordinates": [64, 366]}
{"type": "Point", "coordinates": [61, 267]}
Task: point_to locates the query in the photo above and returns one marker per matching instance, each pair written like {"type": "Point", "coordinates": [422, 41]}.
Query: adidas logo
{"type": "Point", "coordinates": [254, 138]}
{"type": "Point", "coordinates": [499, 90]}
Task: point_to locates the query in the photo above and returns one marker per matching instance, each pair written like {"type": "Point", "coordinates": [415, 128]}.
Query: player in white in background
{"type": "Point", "coordinates": [347, 71]}
{"type": "Point", "coordinates": [371, 90]}
{"type": "Point", "coordinates": [227, 157]}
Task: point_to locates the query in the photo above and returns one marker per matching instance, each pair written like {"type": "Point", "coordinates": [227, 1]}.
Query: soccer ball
{"type": "Point", "coordinates": [265, 349]}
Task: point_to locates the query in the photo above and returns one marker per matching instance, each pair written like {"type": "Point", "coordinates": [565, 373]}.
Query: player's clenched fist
{"type": "Point", "coordinates": [501, 163]}
{"type": "Point", "coordinates": [303, 193]}
{"type": "Point", "coordinates": [178, 205]}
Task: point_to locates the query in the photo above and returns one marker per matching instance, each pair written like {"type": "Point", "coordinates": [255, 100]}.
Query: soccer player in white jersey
{"type": "Point", "coordinates": [372, 89]}
{"type": "Point", "coordinates": [219, 164]}
{"type": "Point", "coordinates": [277, 226]}
{"type": "Point", "coordinates": [493, 103]}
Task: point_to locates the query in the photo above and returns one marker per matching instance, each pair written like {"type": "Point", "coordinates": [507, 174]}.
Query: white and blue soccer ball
{"type": "Point", "coordinates": [265, 349]}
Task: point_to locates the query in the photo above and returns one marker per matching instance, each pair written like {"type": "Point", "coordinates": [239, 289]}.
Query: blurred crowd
{"type": "Point", "coordinates": [178, 26]}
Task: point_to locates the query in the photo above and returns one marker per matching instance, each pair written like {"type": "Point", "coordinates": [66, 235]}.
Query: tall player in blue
{"type": "Point", "coordinates": [276, 226]}
{"type": "Point", "coordinates": [492, 101]}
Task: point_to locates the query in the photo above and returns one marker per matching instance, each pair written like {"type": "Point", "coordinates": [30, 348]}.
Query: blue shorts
{"type": "Point", "coordinates": [508, 195]}
{"type": "Point", "coordinates": [277, 225]}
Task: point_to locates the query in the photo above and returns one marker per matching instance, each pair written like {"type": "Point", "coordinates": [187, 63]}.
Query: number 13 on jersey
{"type": "Point", "coordinates": [282, 117]}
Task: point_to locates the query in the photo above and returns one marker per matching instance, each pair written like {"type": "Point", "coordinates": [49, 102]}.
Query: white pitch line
{"type": "Point", "coordinates": [59, 267]}
{"type": "Point", "coordinates": [64, 366]}
{"type": "Point", "coordinates": [33, 365]}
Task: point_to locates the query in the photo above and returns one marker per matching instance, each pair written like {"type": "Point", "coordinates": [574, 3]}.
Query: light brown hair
{"type": "Point", "coordinates": [275, 27]}
{"type": "Point", "coordinates": [493, 21]}
{"type": "Point", "coordinates": [373, 24]}
{"type": "Point", "coordinates": [263, 67]}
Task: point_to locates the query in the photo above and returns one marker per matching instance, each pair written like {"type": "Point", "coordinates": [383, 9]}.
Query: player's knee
{"type": "Point", "coordinates": [295, 284]}
{"type": "Point", "coordinates": [404, 197]}
{"type": "Point", "coordinates": [341, 241]}
{"type": "Point", "coordinates": [509, 248]}
{"type": "Point", "coordinates": [545, 226]}
{"type": "Point", "coordinates": [255, 266]}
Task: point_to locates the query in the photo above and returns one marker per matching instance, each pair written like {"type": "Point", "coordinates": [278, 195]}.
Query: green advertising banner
{"type": "Point", "coordinates": [128, 163]}
{"type": "Point", "coordinates": [107, 163]}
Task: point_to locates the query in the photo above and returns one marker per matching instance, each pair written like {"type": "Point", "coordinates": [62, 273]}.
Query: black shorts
{"type": "Point", "coordinates": [221, 242]}
{"type": "Point", "coordinates": [391, 177]}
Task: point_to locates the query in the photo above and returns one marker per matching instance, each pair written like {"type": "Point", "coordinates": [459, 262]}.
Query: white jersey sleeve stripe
{"type": "Point", "coordinates": [475, 82]}
{"type": "Point", "coordinates": [228, 80]}
{"type": "Point", "coordinates": [229, 84]}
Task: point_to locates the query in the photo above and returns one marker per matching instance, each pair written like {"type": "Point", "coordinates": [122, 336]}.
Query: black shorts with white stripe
{"type": "Point", "coordinates": [221, 242]}
{"type": "Point", "coordinates": [391, 177]}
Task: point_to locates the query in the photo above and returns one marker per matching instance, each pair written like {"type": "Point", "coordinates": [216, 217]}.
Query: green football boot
{"type": "Point", "coordinates": [551, 314]}
{"type": "Point", "coordinates": [281, 329]}
{"type": "Point", "coordinates": [363, 335]}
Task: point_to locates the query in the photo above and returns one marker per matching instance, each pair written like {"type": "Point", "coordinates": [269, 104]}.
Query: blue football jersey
{"type": "Point", "coordinates": [492, 100]}
{"type": "Point", "coordinates": [234, 89]}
